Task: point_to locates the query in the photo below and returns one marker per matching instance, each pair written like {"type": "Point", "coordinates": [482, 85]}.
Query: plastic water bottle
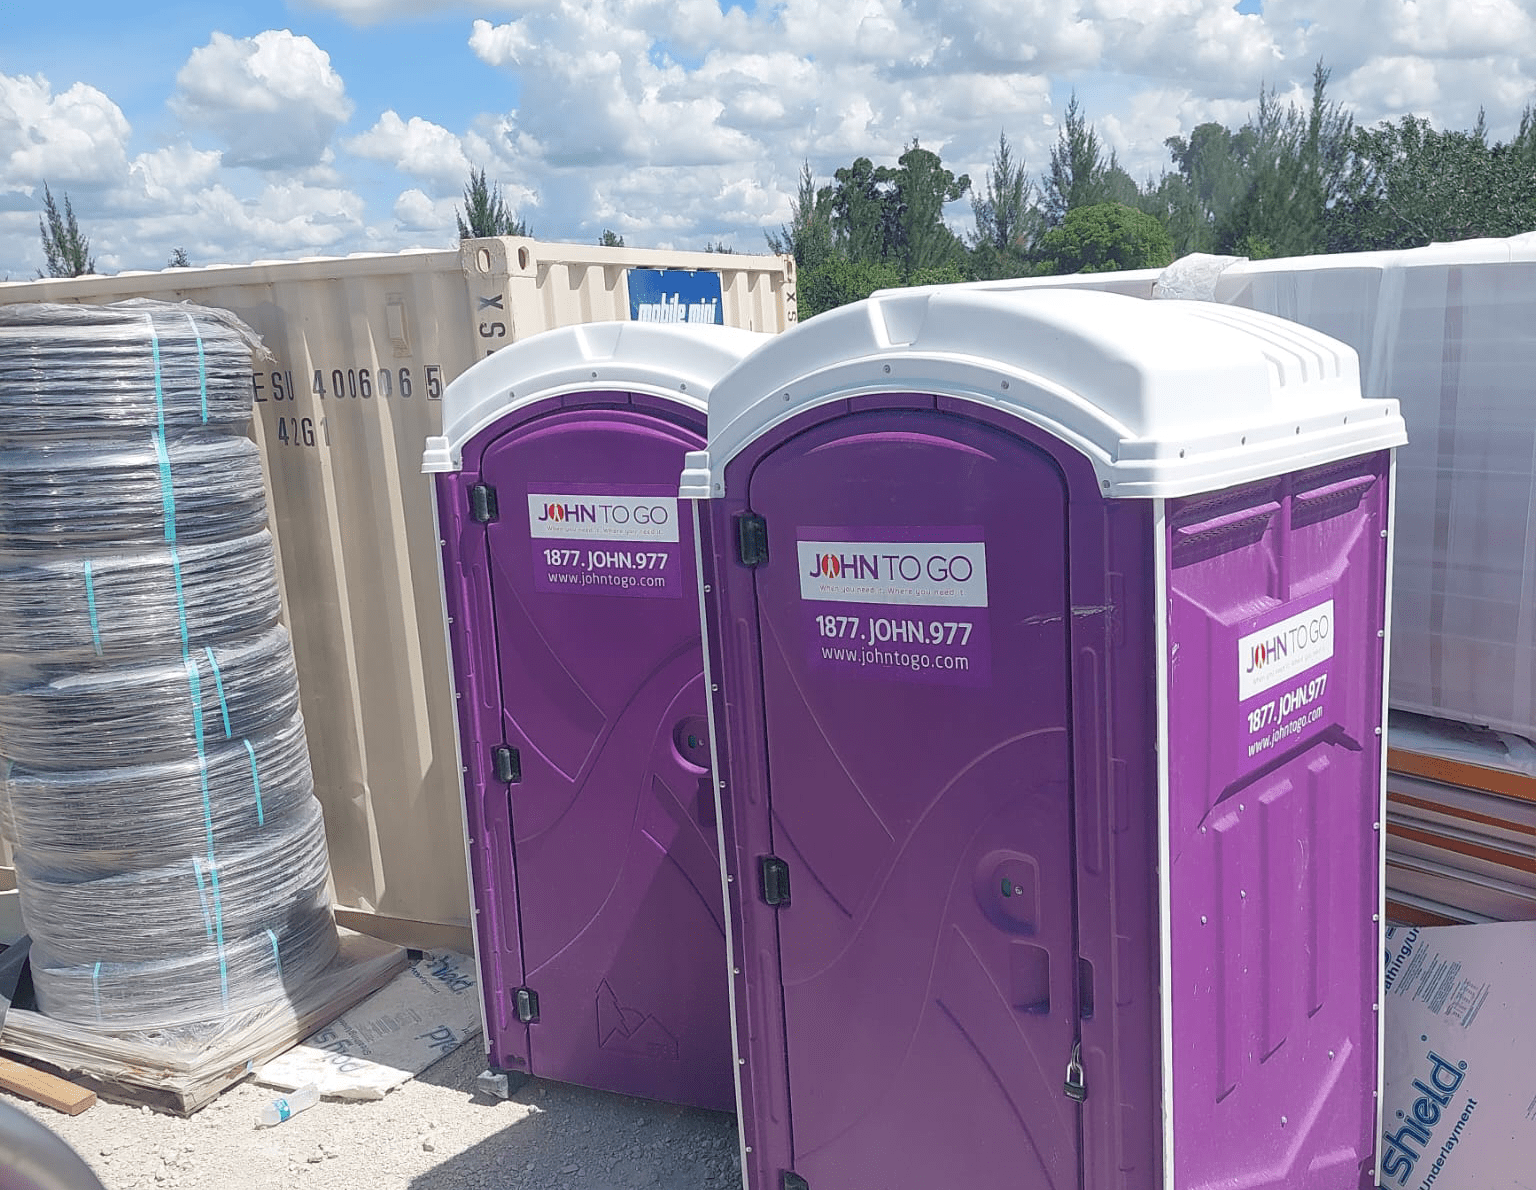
{"type": "Point", "coordinates": [280, 1109]}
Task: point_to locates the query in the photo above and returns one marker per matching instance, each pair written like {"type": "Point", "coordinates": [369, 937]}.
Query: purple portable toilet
{"type": "Point", "coordinates": [1046, 635]}
{"type": "Point", "coordinates": [572, 605]}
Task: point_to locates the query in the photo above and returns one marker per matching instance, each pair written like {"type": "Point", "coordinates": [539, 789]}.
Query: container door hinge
{"type": "Point", "coordinates": [482, 503]}
{"type": "Point", "coordinates": [1075, 1087]}
{"type": "Point", "coordinates": [793, 1181]}
{"type": "Point", "coordinates": [507, 763]}
{"type": "Point", "coordinates": [752, 539]}
{"type": "Point", "coordinates": [774, 875]}
{"type": "Point", "coordinates": [527, 1005]}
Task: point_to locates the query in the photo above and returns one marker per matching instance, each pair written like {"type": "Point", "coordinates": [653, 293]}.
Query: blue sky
{"type": "Point", "coordinates": [274, 130]}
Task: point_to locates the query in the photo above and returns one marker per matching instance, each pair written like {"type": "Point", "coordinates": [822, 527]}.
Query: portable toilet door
{"type": "Point", "coordinates": [1045, 633]}
{"type": "Point", "coordinates": [570, 594]}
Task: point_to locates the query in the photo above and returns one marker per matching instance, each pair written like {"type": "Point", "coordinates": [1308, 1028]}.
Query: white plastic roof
{"type": "Point", "coordinates": [1165, 398]}
{"type": "Point", "coordinates": [678, 361]}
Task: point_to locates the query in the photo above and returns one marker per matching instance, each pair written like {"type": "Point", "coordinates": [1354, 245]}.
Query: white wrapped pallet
{"type": "Point", "coordinates": [1450, 332]}
{"type": "Point", "coordinates": [361, 350]}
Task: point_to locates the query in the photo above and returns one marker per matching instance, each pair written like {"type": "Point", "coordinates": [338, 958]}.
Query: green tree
{"type": "Point", "coordinates": [839, 280]}
{"type": "Point", "coordinates": [1212, 170]}
{"type": "Point", "coordinates": [485, 212]}
{"type": "Point", "coordinates": [1007, 220]}
{"type": "Point", "coordinates": [808, 234]}
{"type": "Point", "coordinates": [1410, 184]}
{"type": "Point", "coordinates": [179, 260]}
{"type": "Point", "coordinates": [1103, 238]}
{"type": "Point", "coordinates": [864, 206]}
{"type": "Point", "coordinates": [66, 251]}
{"type": "Point", "coordinates": [719, 246]}
{"type": "Point", "coordinates": [610, 239]}
{"type": "Point", "coordinates": [923, 187]}
{"type": "Point", "coordinates": [1264, 189]}
{"type": "Point", "coordinates": [1080, 174]}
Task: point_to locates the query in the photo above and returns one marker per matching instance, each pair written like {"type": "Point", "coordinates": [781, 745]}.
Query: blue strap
{"type": "Point", "coordinates": [261, 819]}
{"type": "Point", "coordinates": [202, 369]}
{"type": "Point", "coordinates": [90, 602]}
{"type": "Point", "coordinates": [167, 494]}
{"type": "Point", "coordinates": [202, 898]}
{"type": "Point", "coordinates": [276, 958]}
{"type": "Point", "coordinates": [181, 601]}
{"type": "Point", "coordinates": [218, 682]}
{"type": "Point", "coordinates": [96, 989]}
{"type": "Point", "coordinates": [195, 684]}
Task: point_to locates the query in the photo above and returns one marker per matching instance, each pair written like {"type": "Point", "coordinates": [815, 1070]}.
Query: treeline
{"type": "Point", "coordinates": [1293, 180]}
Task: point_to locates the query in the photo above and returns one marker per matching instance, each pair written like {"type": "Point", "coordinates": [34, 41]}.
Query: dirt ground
{"type": "Point", "coordinates": [434, 1133]}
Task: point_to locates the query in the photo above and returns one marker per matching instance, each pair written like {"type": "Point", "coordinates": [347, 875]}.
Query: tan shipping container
{"type": "Point", "coordinates": [362, 348]}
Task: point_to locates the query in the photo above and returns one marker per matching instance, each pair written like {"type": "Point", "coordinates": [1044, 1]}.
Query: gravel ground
{"type": "Point", "coordinates": [434, 1133]}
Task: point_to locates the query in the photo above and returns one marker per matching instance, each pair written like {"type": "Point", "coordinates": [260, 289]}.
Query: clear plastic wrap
{"type": "Point", "coordinates": [155, 781]}
{"type": "Point", "coordinates": [171, 709]}
{"type": "Point", "coordinates": [71, 825]}
{"type": "Point", "coordinates": [80, 496]}
{"type": "Point", "coordinates": [115, 606]}
{"type": "Point", "coordinates": [140, 916]}
{"type": "Point", "coordinates": [162, 951]}
{"type": "Point", "coordinates": [93, 370]}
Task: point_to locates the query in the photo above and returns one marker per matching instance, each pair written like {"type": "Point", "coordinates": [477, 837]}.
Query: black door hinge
{"type": "Point", "coordinates": [793, 1181]}
{"type": "Point", "coordinates": [774, 875]}
{"type": "Point", "coordinates": [482, 503]}
{"type": "Point", "coordinates": [752, 539]}
{"type": "Point", "coordinates": [527, 1005]}
{"type": "Point", "coordinates": [507, 763]}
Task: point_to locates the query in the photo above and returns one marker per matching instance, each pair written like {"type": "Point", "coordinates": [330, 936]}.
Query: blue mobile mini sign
{"type": "Point", "coordinates": [674, 295]}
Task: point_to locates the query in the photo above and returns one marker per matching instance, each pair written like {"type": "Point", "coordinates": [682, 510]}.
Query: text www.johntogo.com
{"type": "Point", "coordinates": [1285, 731]}
{"type": "Point", "coordinates": [622, 582]}
{"type": "Point", "coordinates": [897, 659]}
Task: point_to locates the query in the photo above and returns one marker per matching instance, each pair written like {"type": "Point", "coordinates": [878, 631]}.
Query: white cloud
{"type": "Point", "coordinates": [415, 212]}
{"type": "Point", "coordinates": [673, 122]}
{"type": "Point", "coordinates": [79, 136]}
{"type": "Point", "coordinates": [274, 98]}
{"type": "Point", "coordinates": [415, 147]}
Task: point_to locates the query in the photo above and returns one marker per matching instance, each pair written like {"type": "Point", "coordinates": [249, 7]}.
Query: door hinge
{"type": "Point", "coordinates": [482, 503]}
{"type": "Point", "coordinates": [774, 878]}
{"type": "Point", "coordinates": [527, 1005]}
{"type": "Point", "coordinates": [752, 539]}
{"type": "Point", "coordinates": [793, 1181]}
{"type": "Point", "coordinates": [1075, 1086]}
{"type": "Point", "coordinates": [508, 764]}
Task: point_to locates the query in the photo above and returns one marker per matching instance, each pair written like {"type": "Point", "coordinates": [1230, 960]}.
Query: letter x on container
{"type": "Point", "coordinates": [572, 613]}
{"type": "Point", "coordinates": [1046, 634]}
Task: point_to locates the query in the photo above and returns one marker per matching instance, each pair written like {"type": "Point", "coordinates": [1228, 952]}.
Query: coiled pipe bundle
{"type": "Point", "coordinates": [155, 781]}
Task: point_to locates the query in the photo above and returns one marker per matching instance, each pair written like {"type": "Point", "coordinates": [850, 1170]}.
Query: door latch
{"type": "Point", "coordinates": [1075, 1087]}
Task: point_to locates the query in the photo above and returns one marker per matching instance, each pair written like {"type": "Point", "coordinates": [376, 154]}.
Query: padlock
{"type": "Point", "coordinates": [1075, 1086]}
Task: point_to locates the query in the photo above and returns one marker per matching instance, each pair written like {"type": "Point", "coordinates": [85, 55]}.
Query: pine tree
{"type": "Point", "coordinates": [808, 235]}
{"type": "Point", "coordinates": [66, 250]}
{"type": "Point", "coordinates": [485, 212]}
{"type": "Point", "coordinates": [1007, 220]}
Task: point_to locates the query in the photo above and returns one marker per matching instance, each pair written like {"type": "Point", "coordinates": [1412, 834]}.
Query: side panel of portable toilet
{"type": "Point", "coordinates": [363, 348]}
{"type": "Point", "coordinates": [573, 620]}
{"type": "Point", "coordinates": [938, 619]}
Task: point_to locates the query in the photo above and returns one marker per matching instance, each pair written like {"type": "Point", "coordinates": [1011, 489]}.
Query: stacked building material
{"type": "Point", "coordinates": [155, 782]}
{"type": "Point", "coordinates": [1461, 823]}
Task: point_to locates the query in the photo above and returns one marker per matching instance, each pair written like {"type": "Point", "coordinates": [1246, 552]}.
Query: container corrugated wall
{"type": "Point", "coordinates": [362, 348]}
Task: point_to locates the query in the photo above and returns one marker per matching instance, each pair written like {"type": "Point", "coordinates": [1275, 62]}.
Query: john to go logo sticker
{"type": "Point", "coordinates": [1281, 651]}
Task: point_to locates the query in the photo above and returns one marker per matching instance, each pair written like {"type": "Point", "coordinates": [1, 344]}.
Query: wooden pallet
{"type": "Point", "coordinates": [181, 1078]}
